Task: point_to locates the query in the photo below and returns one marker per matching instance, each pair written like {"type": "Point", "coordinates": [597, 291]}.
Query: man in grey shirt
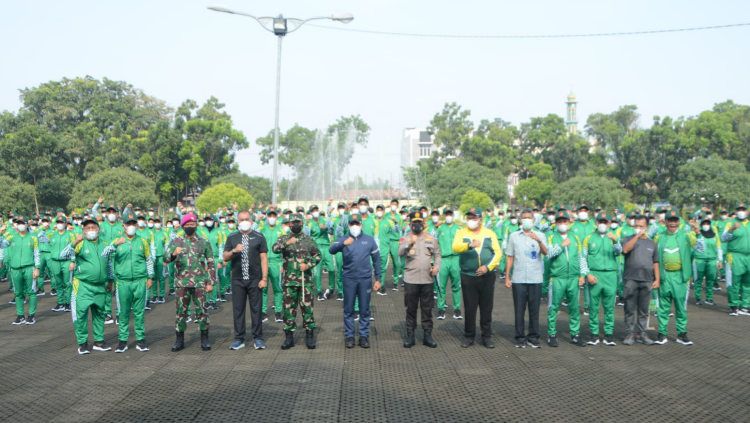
{"type": "Point", "coordinates": [524, 255]}
{"type": "Point", "coordinates": [640, 276]}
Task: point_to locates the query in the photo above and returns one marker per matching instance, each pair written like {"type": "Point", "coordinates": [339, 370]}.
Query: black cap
{"type": "Point", "coordinates": [89, 220]}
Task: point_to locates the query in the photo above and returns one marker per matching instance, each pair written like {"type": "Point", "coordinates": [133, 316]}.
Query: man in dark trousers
{"type": "Point", "coordinates": [248, 253]}
{"type": "Point", "coordinates": [640, 277]}
{"type": "Point", "coordinates": [359, 252]}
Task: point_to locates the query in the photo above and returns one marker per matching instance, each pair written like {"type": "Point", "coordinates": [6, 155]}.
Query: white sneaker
{"type": "Point", "coordinates": [593, 342]}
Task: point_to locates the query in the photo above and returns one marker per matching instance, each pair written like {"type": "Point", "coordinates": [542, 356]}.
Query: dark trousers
{"type": "Point", "coordinates": [246, 291]}
{"type": "Point", "coordinates": [420, 295]}
{"type": "Point", "coordinates": [637, 299]}
{"type": "Point", "coordinates": [527, 296]}
{"type": "Point", "coordinates": [360, 289]}
{"type": "Point", "coordinates": [478, 291]}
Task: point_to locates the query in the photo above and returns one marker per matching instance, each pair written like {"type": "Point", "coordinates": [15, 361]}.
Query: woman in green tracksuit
{"type": "Point", "coordinates": [19, 250]}
{"type": "Point", "coordinates": [706, 263]}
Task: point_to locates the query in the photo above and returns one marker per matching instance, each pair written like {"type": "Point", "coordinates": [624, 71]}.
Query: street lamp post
{"type": "Point", "coordinates": [280, 26]}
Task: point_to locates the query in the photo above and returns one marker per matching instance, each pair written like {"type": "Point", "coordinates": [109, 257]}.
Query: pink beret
{"type": "Point", "coordinates": [190, 217]}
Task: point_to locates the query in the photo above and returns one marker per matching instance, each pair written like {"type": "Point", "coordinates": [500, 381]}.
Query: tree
{"type": "Point", "coordinates": [16, 196]}
{"type": "Point", "coordinates": [223, 195]}
{"type": "Point", "coordinates": [119, 186]}
{"type": "Point", "coordinates": [710, 181]}
{"type": "Point", "coordinates": [446, 184]}
{"type": "Point", "coordinates": [592, 190]}
{"type": "Point", "coordinates": [535, 190]}
{"type": "Point", "coordinates": [475, 198]}
{"type": "Point", "coordinates": [491, 145]}
{"type": "Point", "coordinates": [451, 128]}
{"type": "Point", "coordinates": [257, 186]}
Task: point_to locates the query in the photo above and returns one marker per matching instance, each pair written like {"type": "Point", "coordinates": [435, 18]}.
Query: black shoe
{"type": "Point", "coordinates": [277, 317]}
{"type": "Point", "coordinates": [310, 339]}
{"type": "Point", "coordinates": [30, 320]}
{"type": "Point", "coordinates": [141, 346]}
{"type": "Point", "coordinates": [645, 340]}
{"type": "Point", "coordinates": [576, 340]}
{"type": "Point", "coordinates": [364, 342]}
{"type": "Point", "coordinates": [733, 311]}
{"type": "Point", "coordinates": [467, 342]}
{"type": "Point", "coordinates": [222, 298]}
{"type": "Point", "coordinates": [520, 344]}
{"type": "Point", "coordinates": [171, 292]}
{"type": "Point", "coordinates": [409, 341]}
{"type": "Point", "coordinates": [108, 320]}
{"type": "Point", "coordinates": [457, 315]}
{"type": "Point", "coordinates": [53, 292]}
{"type": "Point", "coordinates": [356, 317]}
{"type": "Point", "coordinates": [205, 345]}
{"type": "Point", "coordinates": [58, 308]}
{"type": "Point", "coordinates": [263, 317]}
{"type": "Point", "coordinates": [67, 308]}
{"type": "Point", "coordinates": [609, 341]}
{"type": "Point", "coordinates": [321, 297]}
{"type": "Point", "coordinates": [83, 349]}
{"type": "Point", "coordinates": [441, 315]}
{"type": "Point", "coordinates": [381, 291]}
{"type": "Point", "coordinates": [661, 339]}
{"type": "Point", "coordinates": [488, 343]}
{"type": "Point", "coordinates": [552, 341]}
{"type": "Point", "coordinates": [349, 343]}
{"type": "Point", "coordinates": [101, 346]}
{"type": "Point", "coordinates": [179, 342]}
{"type": "Point", "coordinates": [288, 340]}
{"type": "Point", "coordinates": [20, 320]}
{"type": "Point", "coordinates": [428, 341]}
{"type": "Point", "coordinates": [682, 338]}
{"type": "Point", "coordinates": [122, 346]}
{"type": "Point", "coordinates": [533, 343]}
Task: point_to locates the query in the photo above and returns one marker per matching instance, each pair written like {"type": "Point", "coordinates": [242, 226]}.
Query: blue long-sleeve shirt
{"type": "Point", "coordinates": [359, 257]}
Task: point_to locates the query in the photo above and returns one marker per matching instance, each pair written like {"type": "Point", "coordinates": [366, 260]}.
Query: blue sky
{"type": "Point", "coordinates": [177, 49]}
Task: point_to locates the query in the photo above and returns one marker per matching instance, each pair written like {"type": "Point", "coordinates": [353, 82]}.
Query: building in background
{"type": "Point", "coordinates": [571, 114]}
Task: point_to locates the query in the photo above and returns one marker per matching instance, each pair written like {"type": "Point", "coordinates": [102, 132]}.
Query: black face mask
{"type": "Point", "coordinates": [417, 228]}
{"type": "Point", "coordinates": [296, 228]}
{"type": "Point", "coordinates": [189, 231]}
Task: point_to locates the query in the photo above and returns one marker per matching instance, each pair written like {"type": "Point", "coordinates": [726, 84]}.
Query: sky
{"type": "Point", "coordinates": [174, 50]}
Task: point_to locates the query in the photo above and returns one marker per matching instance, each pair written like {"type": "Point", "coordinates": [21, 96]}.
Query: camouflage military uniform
{"type": "Point", "coordinates": [194, 269]}
{"type": "Point", "coordinates": [297, 284]}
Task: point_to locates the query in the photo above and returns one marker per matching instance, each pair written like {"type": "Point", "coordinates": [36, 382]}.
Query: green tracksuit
{"type": "Point", "coordinates": [159, 240]}
{"type": "Point", "coordinates": [130, 264]}
{"type": "Point", "coordinates": [42, 236]}
{"type": "Point", "coordinates": [565, 272]}
{"type": "Point", "coordinates": [738, 265]}
{"type": "Point", "coordinates": [318, 230]}
{"type": "Point", "coordinates": [225, 273]}
{"type": "Point", "coordinates": [89, 288]}
{"type": "Point", "coordinates": [449, 267]}
{"type": "Point", "coordinates": [624, 231]}
{"type": "Point", "coordinates": [705, 265]}
{"type": "Point", "coordinates": [390, 251]}
{"type": "Point", "coordinates": [21, 255]}
{"type": "Point", "coordinates": [340, 228]}
{"type": "Point", "coordinates": [60, 268]}
{"type": "Point", "coordinates": [272, 233]}
{"type": "Point", "coordinates": [675, 270]}
{"type": "Point", "coordinates": [216, 238]}
{"type": "Point", "coordinates": [600, 256]}
{"type": "Point", "coordinates": [582, 229]}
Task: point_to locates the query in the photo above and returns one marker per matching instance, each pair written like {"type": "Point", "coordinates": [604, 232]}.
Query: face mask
{"type": "Point", "coordinates": [231, 225]}
{"type": "Point", "coordinates": [151, 214]}
{"type": "Point", "coordinates": [550, 217]}
{"type": "Point", "coordinates": [514, 221]}
{"type": "Point", "coordinates": [296, 227]}
{"type": "Point", "coordinates": [417, 228]}
{"type": "Point", "coordinates": [223, 220]}
{"type": "Point", "coordinates": [45, 225]}
{"type": "Point", "coordinates": [723, 217]}
{"type": "Point", "coordinates": [60, 226]}
{"type": "Point", "coordinates": [141, 224]}
{"type": "Point", "coordinates": [151, 225]}
{"type": "Point", "coordinates": [500, 217]}
{"type": "Point", "coordinates": [614, 225]}
{"type": "Point", "coordinates": [527, 224]}
{"type": "Point", "coordinates": [354, 211]}
{"type": "Point", "coordinates": [537, 216]}
{"type": "Point", "coordinates": [355, 230]}
{"type": "Point", "coordinates": [316, 214]}
{"type": "Point", "coordinates": [175, 225]}
{"type": "Point", "coordinates": [709, 217]}
{"type": "Point", "coordinates": [201, 223]}
{"type": "Point", "coordinates": [403, 217]}
{"type": "Point", "coordinates": [342, 211]}
{"type": "Point", "coordinates": [271, 221]}
{"type": "Point", "coordinates": [602, 228]}
{"type": "Point", "coordinates": [190, 231]}
{"type": "Point", "coordinates": [33, 228]}
{"type": "Point", "coordinates": [362, 209]}
{"type": "Point", "coordinates": [111, 217]}
{"type": "Point", "coordinates": [334, 213]}
{"type": "Point", "coordinates": [393, 208]}
{"type": "Point", "coordinates": [91, 235]}
{"type": "Point", "coordinates": [583, 216]}
{"type": "Point", "coordinates": [741, 215]}
{"type": "Point", "coordinates": [631, 222]}
{"type": "Point", "coordinates": [245, 226]}
{"type": "Point", "coordinates": [472, 224]}
{"type": "Point", "coordinates": [157, 225]}
{"type": "Point", "coordinates": [662, 216]}
{"type": "Point", "coordinates": [705, 228]}
{"type": "Point", "coordinates": [379, 213]}
{"type": "Point", "coordinates": [562, 228]}
{"type": "Point", "coordinates": [21, 227]}
{"type": "Point", "coordinates": [130, 230]}
{"type": "Point", "coordinates": [435, 219]}
{"type": "Point", "coordinates": [449, 219]}
{"type": "Point", "coordinates": [210, 223]}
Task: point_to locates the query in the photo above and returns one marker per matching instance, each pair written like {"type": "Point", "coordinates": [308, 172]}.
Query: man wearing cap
{"type": "Point", "coordinates": [42, 234]}
{"type": "Point", "coordinates": [20, 252]}
{"type": "Point", "coordinates": [59, 268]}
{"type": "Point", "coordinates": [271, 231]}
{"type": "Point", "coordinates": [479, 255]}
{"type": "Point", "coordinates": [159, 240]}
{"type": "Point", "coordinates": [599, 266]}
{"type": "Point", "coordinates": [422, 255]}
{"type": "Point", "coordinates": [391, 250]}
{"type": "Point", "coordinates": [384, 229]}
{"type": "Point", "coordinates": [320, 229]}
{"type": "Point", "coordinates": [449, 268]}
{"type": "Point", "coordinates": [216, 239]}
{"type": "Point", "coordinates": [565, 278]}
{"type": "Point", "coordinates": [361, 257]}
{"type": "Point", "coordinates": [340, 229]}
{"type": "Point", "coordinates": [247, 250]}
{"type": "Point", "coordinates": [194, 276]}
{"type": "Point", "coordinates": [91, 285]}
{"type": "Point", "coordinates": [675, 249]}
{"type": "Point", "coordinates": [736, 236]}
{"type": "Point", "coordinates": [300, 253]}
{"type": "Point", "coordinates": [131, 265]}
{"type": "Point", "coordinates": [640, 275]}
{"type": "Point", "coordinates": [707, 262]}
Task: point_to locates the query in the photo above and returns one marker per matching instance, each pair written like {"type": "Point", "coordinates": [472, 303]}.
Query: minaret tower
{"type": "Point", "coordinates": [571, 117]}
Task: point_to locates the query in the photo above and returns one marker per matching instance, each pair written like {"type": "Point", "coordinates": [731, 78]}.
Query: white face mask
{"type": "Point", "coordinates": [527, 224]}
{"type": "Point", "coordinates": [723, 217]}
{"type": "Point", "coordinates": [150, 225]}
{"type": "Point", "coordinates": [537, 216]}
{"type": "Point", "coordinates": [435, 219]}
{"type": "Point", "coordinates": [614, 225]}
{"type": "Point", "coordinates": [741, 215]}
{"type": "Point", "coordinates": [45, 225]}
{"type": "Point", "coordinates": [602, 228]}
{"type": "Point", "coordinates": [231, 225]}
{"type": "Point", "coordinates": [705, 228]}
{"type": "Point", "coordinates": [334, 213]}
{"type": "Point", "coordinates": [709, 217]}
{"type": "Point", "coordinates": [245, 225]}
{"type": "Point", "coordinates": [157, 225]}
{"type": "Point", "coordinates": [562, 228]}
{"type": "Point", "coordinates": [111, 217]}
{"type": "Point", "coordinates": [500, 218]}
{"type": "Point", "coordinates": [210, 223]}
{"type": "Point", "coordinates": [631, 222]}
{"type": "Point", "coordinates": [583, 215]}
{"type": "Point", "coordinates": [315, 214]}
{"type": "Point", "coordinates": [449, 219]}
{"type": "Point", "coordinates": [61, 226]}
{"type": "Point", "coordinates": [141, 224]}
{"type": "Point", "coordinates": [176, 225]}
{"type": "Point", "coordinates": [514, 221]}
{"type": "Point", "coordinates": [21, 227]}
{"type": "Point", "coordinates": [201, 223]}
{"type": "Point", "coordinates": [379, 213]}
{"type": "Point", "coordinates": [550, 218]}
{"type": "Point", "coordinates": [363, 209]}
{"type": "Point", "coordinates": [393, 208]}
{"type": "Point", "coordinates": [130, 230]}
{"type": "Point", "coordinates": [223, 220]}
{"type": "Point", "coordinates": [91, 235]}
{"type": "Point", "coordinates": [472, 224]}
{"type": "Point", "coordinates": [355, 230]}
{"type": "Point", "coordinates": [272, 221]}
{"type": "Point", "coordinates": [354, 211]}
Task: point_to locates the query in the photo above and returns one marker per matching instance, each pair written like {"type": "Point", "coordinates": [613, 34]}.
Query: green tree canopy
{"type": "Point", "coordinates": [224, 195]}
{"type": "Point", "coordinates": [711, 181]}
{"type": "Point", "coordinates": [16, 196]}
{"type": "Point", "coordinates": [119, 186]}
{"type": "Point", "coordinates": [475, 198]}
{"type": "Point", "coordinates": [535, 190]}
{"type": "Point", "coordinates": [257, 186]}
{"type": "Point", "coordinates": [446, 184]}
{"type": "Point", "coordinates": [594, 190]}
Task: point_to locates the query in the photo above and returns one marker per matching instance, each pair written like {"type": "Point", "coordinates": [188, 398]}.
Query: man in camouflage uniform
{"type": "Point", "coordinates": [300, 254]}
{"type": "Point", "coordinates": [194, 276]}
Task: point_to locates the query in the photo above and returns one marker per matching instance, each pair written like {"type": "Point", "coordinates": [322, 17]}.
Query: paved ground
{"type": "Point", "coordinates": [44, 380]}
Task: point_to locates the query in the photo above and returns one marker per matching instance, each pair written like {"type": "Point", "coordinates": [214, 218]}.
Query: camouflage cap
{"type": "Point", "coordinates": [296, 217]}
{"type": "Point", "coordinates": [603, 217]}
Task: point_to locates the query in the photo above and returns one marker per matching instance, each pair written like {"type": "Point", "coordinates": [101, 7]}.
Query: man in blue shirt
{"type": "Point", "coordinates": [359, 252]}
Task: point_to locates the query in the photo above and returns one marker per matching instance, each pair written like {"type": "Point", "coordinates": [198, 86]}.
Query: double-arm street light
{"type": "Point", "coordinates": [280, 26]}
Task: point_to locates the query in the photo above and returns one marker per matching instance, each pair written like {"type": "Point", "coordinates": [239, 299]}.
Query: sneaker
{"type": "Point", "coordinates": [349, 343]}
{"type": "Point", "coordinates": [744, 312]}
{"type": "Point", "coordinates": [661, 339]}
{"type": "Point", "coordinates": [12, 300]}
{"type": "Point", "coordinates": [457, 315]}
{"type": "Point", "coordinates": [372, 317]}
{"type": "Point", "coordinates": [709, 302]}
{"type": "Point", "coordinates": [20, 320]}
{"type": "Point", "coordinates": [594, 341]}
{"type": "Point", "coordinates": [101, 346]}
{"type": "Point", "coordinates": [340, 297]}
{"type": "Point", "coordinates": [31, 320]}
{"type": "Point", "coordinates": [108, 320]}
{"type": "Point", "coordinates": [698, 302]}
{"type": "Point", "coordinates": [189, 319]}
{"type": "Point", "coordinates": [364, 342]}
{"type": "Point", "coordinates": [629, 340]}
{"type": "Point", "coordinates": [122, 346]}
{"type": "Point", "coordinates": [171, 292]}
{"type": "Point", "coordinates": [552, 341]}
{"type": "Point", "coordinates": [395, 288]}
{"type": "Point", "coordinates": [585, 312]}
{"type": "Point", "coordinates": [520, 344]}
{"type": "Point", "coordinates": [162, 300]}
{"type": "Point", "coordinates": [683, 339]}
{"type": "Point", "coordinates": [58, 308]}
{"type": "Point", "coordinates": [717, 288]}
{"type": "Point", "coordinates": [141, 346]}
{"type": "Point", "coordinates": [563, 304]}
{"type": "Point", "coordinates": [467, 342]}
{"type": "Point", "coordinates": [609, 341]}
{"type": "Point", "coordinates": [533, 343]}
{"type": "Point", "coordinates": [277, 317]}
{"type": "Point", "coordinates": [237, 345]}
{"type": "Point", "coordinates": [222, 298]}
{"type": "Point", "coordinates": [53, 292]}
{"type": "Point", "coordinates": [259, 344]}
{"type": "Point", "coordinates": [321, 297]}
{"type": "Point", "coordinates": [488, 343]}
{"type": "Point", "coordinates": [382, 292]}
{"type": "Point", "coordinates": [263, 317]}
{"type": "Point", "coordinates": [83, 349]}
{"type": "Point", "coordinates": [40, 293]}
{"type": "Point", "coordinates": [327, 294]}
{"type": "Point", "coordinates": [67, 308]}
{"type": "Point", "coordinates": [441, 315]}
{"type": "Point", "coordinates": [733, 311]}
{"type": "Point", "coordinates": [645, 340]}
{"type": "Point", "coordinates": [620, 303]}
{"type": "Point", "coordinates": [576, 340]}
{"type": "Point", "coordinates": [147, 307]}
{"type": "Point", "coordinates": [356, 317]}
